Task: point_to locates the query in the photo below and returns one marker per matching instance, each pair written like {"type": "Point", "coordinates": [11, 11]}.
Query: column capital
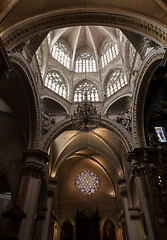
{"type": "Point", "coordinates": [34, 164]}
{"type": "Point", "coordinates": [34, 170]}
{"type": "Point", "coordinates": [36, 156]}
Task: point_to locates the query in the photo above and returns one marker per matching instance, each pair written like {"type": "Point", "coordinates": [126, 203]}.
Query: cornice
{"type": "Point", "coordinates": [21, 33]}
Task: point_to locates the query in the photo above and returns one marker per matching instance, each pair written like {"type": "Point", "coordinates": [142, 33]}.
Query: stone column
{"type": "Point", "coordinates": [143, 170]}
{"type": "Point", "coordinates": [50, 197]}
{"type": "Point", "coordinates": [133, 227]}
{"type": "Point", "coordinates": [34, 170]}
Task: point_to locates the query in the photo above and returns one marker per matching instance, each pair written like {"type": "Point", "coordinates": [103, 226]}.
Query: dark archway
{"type": "Point", "coordinates": [67, 231]}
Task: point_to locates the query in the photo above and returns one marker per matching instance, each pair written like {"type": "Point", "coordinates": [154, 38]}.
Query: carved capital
{"type": "Point", "coordinates": [123, 188]}
{"type": "Point", "coordinates": [34, 170]}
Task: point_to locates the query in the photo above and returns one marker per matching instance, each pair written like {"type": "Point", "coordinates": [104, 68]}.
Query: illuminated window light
{"type": "Point", "coordinates": [87, 182]}
{"type": "Point", "coordinates": [160, 131]}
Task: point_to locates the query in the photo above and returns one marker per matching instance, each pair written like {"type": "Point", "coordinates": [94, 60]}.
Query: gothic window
{"type": "Point", "coordinates": [87, 88]}
{"type": "Point", "coordinates": [109, 52]}
{"type": "Point", "coordinates": [85, 62]}
{"type": "Point", "coordinates": [117, 81]}
{"type": "Point", "coordinates": [61, 54]}
{"type": "Point", "coordinates": [55, 82]}
{"type": "Point", "coordinates": [87, 182]}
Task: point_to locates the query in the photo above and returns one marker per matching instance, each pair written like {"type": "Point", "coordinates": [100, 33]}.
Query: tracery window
{"type": "Point", "coordinates": [87, 182]}
{"type": "Point", "coordinates": [85, 62]}
{"type": "Point", "coordinates": [87, 88]}
{"type": "Point", "coordinates": [109, 52]}
{"type": "Point", "coordinates": [61, 54]}
{"type": "Point", "coordinates": [55, 82]}
{"type": "Point", "coordinates": [117, 81]}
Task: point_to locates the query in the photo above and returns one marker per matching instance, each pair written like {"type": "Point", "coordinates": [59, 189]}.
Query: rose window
{"type": "Point", "coordinates": [87, 182]}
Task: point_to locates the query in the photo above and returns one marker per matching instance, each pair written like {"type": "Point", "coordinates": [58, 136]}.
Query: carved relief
{"type": "Point", "coordinates": [126, 119]}
{"type": "Point", "coordinates": [47, 122]}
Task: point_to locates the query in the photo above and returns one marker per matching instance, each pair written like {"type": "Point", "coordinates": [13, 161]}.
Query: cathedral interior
{"type": "Point", "coordinates": [83, 116]}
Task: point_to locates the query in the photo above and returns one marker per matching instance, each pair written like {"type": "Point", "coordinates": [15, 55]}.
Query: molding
{"type": "Point", "coordinates": [35, 127]}
{"type": "Point", "coordinates": [140, 90]}
{"type": "Point", "coordinates": [67, 125]}
{"type": "Point", "coordinates": [23, 32]}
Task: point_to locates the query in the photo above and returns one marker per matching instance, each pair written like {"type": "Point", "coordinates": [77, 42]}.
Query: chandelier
{"type": "Point", "coordinates": [86, 117]}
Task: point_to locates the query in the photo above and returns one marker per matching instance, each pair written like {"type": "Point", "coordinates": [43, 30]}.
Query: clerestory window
{"type": "Point", "coordinates": [117, 81]}
{"type": "Point", "coordinates": [85, 62]}
{"type": "Point", "coordinates": [61, 54]}
{"type": "Point", "coordinates": [109, 52]}
{"type": "Point", "coordinates": [88, 89]}
{"type": "Point", "coordinates": [54, 81]}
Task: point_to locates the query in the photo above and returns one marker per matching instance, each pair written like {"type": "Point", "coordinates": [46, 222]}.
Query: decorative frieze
{"type": "Point", "coordinates": [62, 20]}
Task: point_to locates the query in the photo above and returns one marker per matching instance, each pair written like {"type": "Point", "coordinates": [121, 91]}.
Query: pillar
{"type": "Point", "coordinates": [50, 197]}
{"type": "Point", "coordinates": [34, 170]}
{"type": "Point", "coordinates": [131, 214]}
{"type": "Point", "coordinates": [143, 169]}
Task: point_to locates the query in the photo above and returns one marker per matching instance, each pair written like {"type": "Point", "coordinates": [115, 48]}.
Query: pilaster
{"type": "Point", "coordinates": [34, 170]}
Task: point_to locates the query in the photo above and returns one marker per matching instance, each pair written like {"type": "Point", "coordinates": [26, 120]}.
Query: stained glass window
{"type": "Point", "coordinates": [160, 131]}
{"type": "Point", "coordinates": [55, 82]}
{"type": "Point", "coordinates": [86, 87]}
{"type": "Point", "coordinates": [117, 81]}
{"type": "Point", "coordinates": [87, 182]}
{"type": "Point", "coordinates": [61, 54]}
{"type": "Point", "coordinates": [85, 62]}
{"type": "Point", "coordinates": [110, 51]}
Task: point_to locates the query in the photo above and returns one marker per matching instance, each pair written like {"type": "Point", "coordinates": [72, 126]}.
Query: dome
{"type": "Point", "coordinates": [98, 60]}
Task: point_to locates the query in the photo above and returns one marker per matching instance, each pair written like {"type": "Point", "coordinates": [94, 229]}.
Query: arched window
{"type": "Point", "coordinates": [117, 81]}
{"type": "Point", "coordinates": [87, 88]}
{"type": "Point", "coordinates": [61, 54]}
{"type": "Point", "coordinates": [85, 62]}
{"type": "Point", "coordinates": [55, 82]}
{"type": "Point", "coordinates": [109, 52]}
